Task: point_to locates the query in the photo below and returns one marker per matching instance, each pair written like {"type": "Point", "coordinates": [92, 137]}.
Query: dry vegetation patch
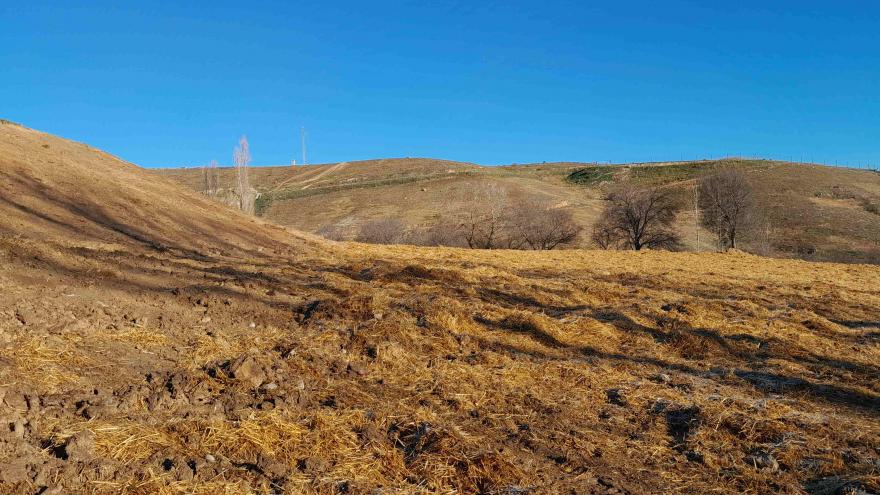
{"type": "Point", "coordinates": [211, 353]}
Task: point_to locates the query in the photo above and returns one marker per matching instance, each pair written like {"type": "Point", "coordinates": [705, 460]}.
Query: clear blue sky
{"type": "Point", "coordinates": [492, 82]}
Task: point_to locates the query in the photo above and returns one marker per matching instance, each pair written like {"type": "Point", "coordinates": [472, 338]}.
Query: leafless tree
{"type": "Point", "coordinates": [441, 233]}
{"type": "Point", "coordinates": [539, 225]}
{"type": "Point", "coordinates": [483, 224]}
{"type": "Point", "coordinates": [765, 237]}
{"type": "Point", "coordinates": [382, 231]}
{"type": "Point", "coordinates": [726, 205]}
{"type": "Point", "coordinates": [331, 231]}
{"type": "Point", "coordinates": [638, 218]}
{"type": "Point", "coordinates": [605, 236]}
{"type": "Point", "coordinates": [214, 178]}
{"type": "Point", "coordinates": [210, 179]}
{"type": "Point", "coordinates": [241, 156]}
{"type": "Point", "coordinates": [206, 181]}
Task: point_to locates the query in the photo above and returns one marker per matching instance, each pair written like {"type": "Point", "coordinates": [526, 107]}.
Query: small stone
{"type": "Point", "coordinates": [206, 319]}
{"type": "Point", "coordinates": [252, 325]}
{"type": "Point", "coordinates": [271, 386]}
{"type": "Point", "coordinates": [210, 458]}
{"type": "Point", "coordinates": [378, 315]}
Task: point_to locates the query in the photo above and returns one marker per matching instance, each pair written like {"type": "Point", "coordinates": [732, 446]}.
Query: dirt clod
{"type": "Point", "coordinates": [80, 446]}
{"type": "Point", "coordinates": [248, 370]}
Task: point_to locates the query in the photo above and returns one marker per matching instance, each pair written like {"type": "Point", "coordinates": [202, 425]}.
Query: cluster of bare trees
{"type": "Point", "coordinates": [244, 195]}
{"type": "Point", "coordinates": [382, 231]}
{"type": "Point", "coordinates": [633, 218]}
{"type": "Point", "coordinates": [211, 179]}
{"type": "Point", "coordinates": [636, 218]}
{"type": "Point", "coordinates": [491, 221]}
{"type": "Point", "coordinates": [494, 221]}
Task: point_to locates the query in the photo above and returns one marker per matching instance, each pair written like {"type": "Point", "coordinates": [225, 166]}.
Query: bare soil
{"type": "Point", "coordinates": [154, 342]}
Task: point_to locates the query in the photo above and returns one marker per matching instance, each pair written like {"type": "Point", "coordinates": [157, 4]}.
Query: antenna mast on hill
{"type": "Point", "coordinates": [303, 137]}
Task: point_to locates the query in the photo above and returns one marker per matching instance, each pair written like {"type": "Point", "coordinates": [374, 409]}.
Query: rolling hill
{"type": "Point", "coordinates": [806, 211]}
{"type": "Point", "coordinates": [153, 341]}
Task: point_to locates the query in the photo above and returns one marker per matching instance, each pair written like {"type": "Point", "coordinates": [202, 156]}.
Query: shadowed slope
{"type": "Point", "coordinates": [58, 190]}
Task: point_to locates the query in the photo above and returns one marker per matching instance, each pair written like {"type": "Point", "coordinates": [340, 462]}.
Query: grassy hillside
{"type": "Point", "coordinates": [806, 211]}
{"type": "Point", "coordinates": [154, 342]}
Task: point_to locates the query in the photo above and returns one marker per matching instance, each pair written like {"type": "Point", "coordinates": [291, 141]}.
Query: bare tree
{"type": "Point", "coordinates": [441, 233]}
{"type": "Point", "coordinates": [483, 225]}
{"type": "Point", "coordinates": [241, 156]}
{"type": "Point", "coordinates": [538, 225]}
{"type": "Point", "coordinates": [382, 231]}
{"type": "Point", "coordinates": [604, 235]}
{"type": "Point", "coordinates": [213, 178]}
{"type": "Point", "coordinates": [638, 218]}
{"type": "Point", "coordinates": [331, 231]}
{"type": "Point", "coordinates": [206, 181]}
{"type": "Point", "coordinates": [210, 179]}
{"type": "Point", "coordinates": [726, 205]}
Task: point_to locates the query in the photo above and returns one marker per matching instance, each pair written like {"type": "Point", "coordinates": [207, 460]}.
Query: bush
{"type": "Point", "coordinates": [440, 234]}
{"type": "Point", "coordinates": [539, 226]}
{"type": "Point", "coordinates": [331, 232]}
{"type": "Point", "coordinates": [382, 231]}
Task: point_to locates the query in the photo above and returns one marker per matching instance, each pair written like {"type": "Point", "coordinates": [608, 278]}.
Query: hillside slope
{"type": "Point", "coordinates": [278, 363]}
{"type": "Point", "coordinates": [54, 189]}
{"type": "Point", "coordinates": [806, 211]}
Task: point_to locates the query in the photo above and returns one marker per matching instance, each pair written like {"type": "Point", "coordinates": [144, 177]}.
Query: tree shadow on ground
{"type": "Point", "coordinates": [762, 380]}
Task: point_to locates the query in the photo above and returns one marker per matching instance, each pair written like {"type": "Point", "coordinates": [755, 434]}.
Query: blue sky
{"type": "Point", "coordinates": [489, 82]}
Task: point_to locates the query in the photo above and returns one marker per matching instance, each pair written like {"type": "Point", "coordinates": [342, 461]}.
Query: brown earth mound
{"type": "Point", "coordinates": [152, 342]}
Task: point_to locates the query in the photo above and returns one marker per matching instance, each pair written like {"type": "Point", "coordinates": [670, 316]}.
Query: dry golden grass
{"type": "Point", "coordinates": [260, 361]}
{"type": "Point", "coordinates": [806, 211]}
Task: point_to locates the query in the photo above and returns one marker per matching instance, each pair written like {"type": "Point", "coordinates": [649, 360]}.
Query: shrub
{"type": "Point", "coordinates": [382, 231]}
